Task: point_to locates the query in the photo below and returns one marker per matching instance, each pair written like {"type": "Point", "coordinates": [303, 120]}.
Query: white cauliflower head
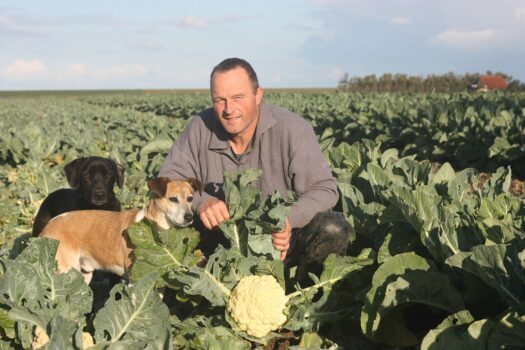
{"type": "Point", "coordinates": [87, 341]}
{"type": "Point", "coordinates": [257, 305]}
{"type": "Point", "coordinates": [40, 340]}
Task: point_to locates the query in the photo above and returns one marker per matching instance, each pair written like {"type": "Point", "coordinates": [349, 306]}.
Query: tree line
{"type": "Point", "coordinates": [449, 82]}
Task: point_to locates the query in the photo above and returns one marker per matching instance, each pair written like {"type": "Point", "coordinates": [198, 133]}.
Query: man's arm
{"type": "Point", "coordinates": [313, 182]}
{"type": "Point", "coordinates": [182, 162]}
{"type": "Point", "coordinates": [312, 179]}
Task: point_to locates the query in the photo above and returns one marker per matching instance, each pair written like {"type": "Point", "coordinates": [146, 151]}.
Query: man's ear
{"type": "Point", "coordinates": [196, 184]}
{"type": "Point", "coordinates": [259, 93]}
{"type": "Point", "coordinates": [73, 172]}
{"type": "Point", "coordinates": [159, 186]}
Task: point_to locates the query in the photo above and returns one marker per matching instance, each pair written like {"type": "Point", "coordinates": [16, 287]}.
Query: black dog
{"type": "Point", "coordinates": [92, 180]}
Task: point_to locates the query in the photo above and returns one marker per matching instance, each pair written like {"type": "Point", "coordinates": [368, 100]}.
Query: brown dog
{"type": "Point", "coordinates": [97, 239]}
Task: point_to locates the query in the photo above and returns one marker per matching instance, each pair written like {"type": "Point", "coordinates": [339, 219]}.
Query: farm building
{"type": "Point", "coordinates": [491, 82]}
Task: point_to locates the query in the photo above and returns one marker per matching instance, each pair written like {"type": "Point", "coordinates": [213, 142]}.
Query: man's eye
{"type": "Point", "coordinates": [189, 199]}
{"type": "Point", "coordinates": [174, 199]}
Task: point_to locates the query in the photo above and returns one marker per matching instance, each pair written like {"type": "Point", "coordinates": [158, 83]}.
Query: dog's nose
{"type": "Point", "coordinates": [188, 217]}
{"type": "Point", "coordinates": [100, 195]}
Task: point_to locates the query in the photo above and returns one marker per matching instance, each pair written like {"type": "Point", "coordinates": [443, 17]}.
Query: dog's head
{"type": "Point", "coordinates": [94, 178]}
{"type": "Point", "coordinates": [173, 198]}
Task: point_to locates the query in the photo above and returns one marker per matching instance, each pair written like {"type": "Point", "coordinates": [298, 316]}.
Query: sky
{"type": "Point", "coordinates": [174, 44]}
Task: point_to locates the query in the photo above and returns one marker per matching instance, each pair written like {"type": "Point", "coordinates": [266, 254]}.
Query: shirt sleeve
{"type": "Point", "coordinates": [182, 160]}
{"type": "Point", "coordinates": [312, 179]}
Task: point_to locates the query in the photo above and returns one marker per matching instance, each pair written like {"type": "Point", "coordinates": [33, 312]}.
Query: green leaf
{"type": "Point", "coordinates": [163, 251]}
{"type": "Point", "coordinates": [35, 293]}
{"type": "Point", "coordinates": [157, 146]}
{"type": "Point", "coordinates": [223, 270]}
{"type": "Point", "coordinates": [509, 330]}
{"type": "Point", "coordinates": [252, 219]}
{"type": "Point", "coordinates": [134, 314]}
{"type": "Point", "coordinates": [418, 206]}
{"type": "Point", "coordinates": [401, 239]}
{"type": "Point", "coordinates": [7, 326]}
{"type": "Point", "coordinates": [62, 333]}
{"type": "Point", "coordinates": [498, 265]}
{"type": "Point", "coordinates": [203, 333]}
{"type": "Point", "coordinates": [389, 155]}
{"type": "Point", "coordinates": [444, 174]}
{"type": "Point", "coordinates": [303, 313]}
{"type": "Point", "coordinates": [458, 331]}
{"type": "Point", "coordinates": [402, 280]}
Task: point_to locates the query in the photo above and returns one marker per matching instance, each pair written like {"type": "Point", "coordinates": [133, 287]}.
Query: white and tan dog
{"type": "Point", "coordinates": [97, 239]}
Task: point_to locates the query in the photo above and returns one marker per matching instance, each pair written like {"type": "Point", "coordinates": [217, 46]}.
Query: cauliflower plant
{"type": "Point", "coordinates": [257, 305]}
{"type": "Point", "coordinates": [41, 340]}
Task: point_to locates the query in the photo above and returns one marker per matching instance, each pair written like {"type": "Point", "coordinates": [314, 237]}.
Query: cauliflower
{"type": "Point", "coordinates": [40, 340]}
{"type": "Point", "coordinates": [87, 340]}
{"type": "Point", "coordinates": [257, 304]}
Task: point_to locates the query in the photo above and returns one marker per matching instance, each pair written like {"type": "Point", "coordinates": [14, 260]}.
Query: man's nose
{"type": "Point", "coordinates": [228, 107]}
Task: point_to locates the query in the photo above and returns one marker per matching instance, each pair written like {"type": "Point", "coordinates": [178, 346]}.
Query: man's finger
{"type": "Point", "coordinates": [281, 235]}
{"type": "Point", "coordinates": [281, 241]}
{"type": "Point", "coordinates": [205, 221]}
{"type": "Point", "coordinates": [283, 255]}
{"type": "Point", "coordinates": [224, 212]}
{"type": "Point", "coordinates": [281, 247]}
{"type": "Point", "coordinates": [212, 219]}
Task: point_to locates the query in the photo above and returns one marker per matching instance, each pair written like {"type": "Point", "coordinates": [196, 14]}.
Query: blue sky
{"type": "Point", "coordinates": [116, 44]}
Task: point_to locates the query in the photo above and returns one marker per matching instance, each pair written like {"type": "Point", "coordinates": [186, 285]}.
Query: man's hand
{"type": "Point", "coordinates": [281, 240]}
{"type": "Point", "coordinates": [212, 212]}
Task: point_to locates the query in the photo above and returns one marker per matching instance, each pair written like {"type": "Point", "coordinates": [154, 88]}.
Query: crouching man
{"type": "Point", "coordinates": [242, 132]}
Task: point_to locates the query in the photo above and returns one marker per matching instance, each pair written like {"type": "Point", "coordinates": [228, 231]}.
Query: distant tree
{"type": "Point", "coordinates": [448, 82]}
{"type": "Point", "coordinates": [343, 83]}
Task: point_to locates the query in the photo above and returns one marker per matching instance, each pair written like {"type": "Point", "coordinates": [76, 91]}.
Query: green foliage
{"type": "Point", "coordinates": [438, 260]}
{"type": "Point", "coordinates": [252, 219]}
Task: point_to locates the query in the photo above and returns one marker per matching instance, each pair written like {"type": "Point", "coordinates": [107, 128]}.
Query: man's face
{"type": "Point", "coordinates": [234, 101]}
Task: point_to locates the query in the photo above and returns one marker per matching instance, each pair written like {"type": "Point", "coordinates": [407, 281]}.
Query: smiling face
{"type": "Point", "coordinates": [235, 102]}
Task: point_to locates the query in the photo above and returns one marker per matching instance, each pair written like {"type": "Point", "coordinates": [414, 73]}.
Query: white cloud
{"type": "Point", "coordinates": [474, 39]}
{"type": "Point", "coordinates": [25, 70]}
{"type": "Point", "coordinates": [123, 71]}
{"type": "Point", "coordinates": [192, 22]}
{"type": "Point", "coordinates": [400, 20]}
{"type": "Point", "coordinates": [76, 70]}
{"type": "Point", "coordinates": [519, 14]}
{"type": "Point", "coordinates": [36, 70]}
{"type": "Point", "coordinates": [10, 25]}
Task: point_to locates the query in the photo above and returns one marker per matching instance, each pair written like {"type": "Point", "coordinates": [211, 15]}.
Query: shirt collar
{"type": "Point", "coordinates": [220, 137]}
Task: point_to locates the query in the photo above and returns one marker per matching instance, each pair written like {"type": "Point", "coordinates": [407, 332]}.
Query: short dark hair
{"type": "Point", "coordinates": [234, 62]}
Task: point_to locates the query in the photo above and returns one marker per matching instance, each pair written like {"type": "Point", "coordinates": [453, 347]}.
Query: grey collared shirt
{"type": "Point", "coordinates": [284, 147]}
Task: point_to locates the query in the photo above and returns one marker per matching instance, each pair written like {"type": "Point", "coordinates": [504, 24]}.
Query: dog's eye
{"type": "Point", "coordinates": [174, 199]}
{"type": "Point", "coordinates": [189, 199]}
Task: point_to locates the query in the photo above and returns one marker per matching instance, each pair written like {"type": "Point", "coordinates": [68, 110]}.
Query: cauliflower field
{"type": "Point", "coordinates": [431, 183]}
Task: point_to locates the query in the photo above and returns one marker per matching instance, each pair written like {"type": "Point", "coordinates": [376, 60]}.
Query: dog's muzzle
{"type": "Point", "coordinates": [99, 198]}
{"type": "Point", "coordinates": [188, 217]}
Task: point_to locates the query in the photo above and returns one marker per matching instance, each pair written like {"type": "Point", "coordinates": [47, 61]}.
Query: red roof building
{"type": "Point", "coordinates": [491, 82]}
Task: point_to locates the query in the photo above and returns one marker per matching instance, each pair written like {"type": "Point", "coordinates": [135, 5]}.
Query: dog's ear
{"type": "Point", "coordinates": [196, 184]}
{"type": "Point", "coordinates": [119, 174]}
{"type": "Point", "coordinates": [73, 172]}
{"type": "Point", "coordinates": [159, 186]}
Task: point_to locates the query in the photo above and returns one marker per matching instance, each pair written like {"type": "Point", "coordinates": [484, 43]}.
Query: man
{"type": "Point", "coordinates": [242, 132]}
